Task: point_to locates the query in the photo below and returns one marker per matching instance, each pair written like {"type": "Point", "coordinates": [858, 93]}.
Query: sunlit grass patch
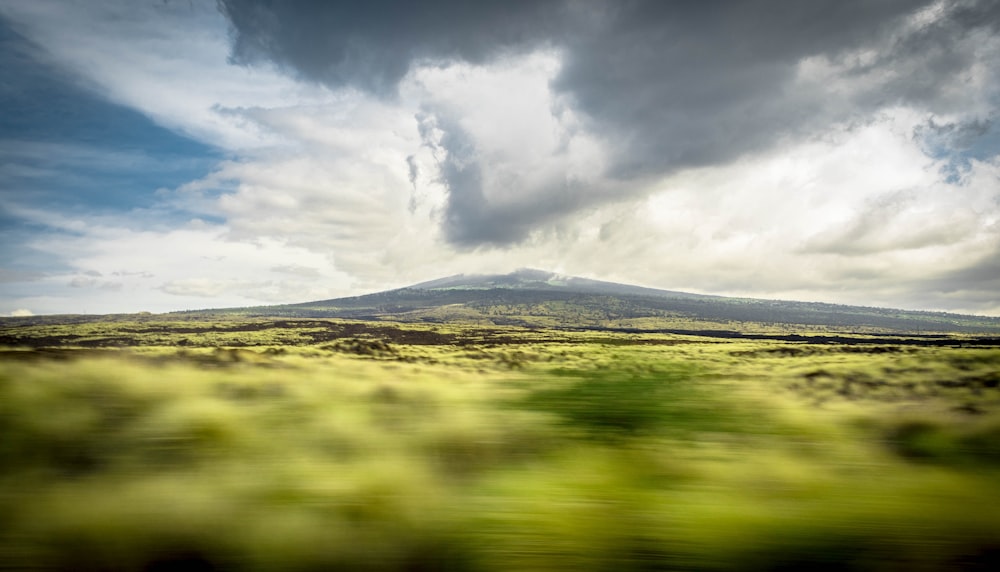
{"type": "Point", "coordinates": [328, 467]}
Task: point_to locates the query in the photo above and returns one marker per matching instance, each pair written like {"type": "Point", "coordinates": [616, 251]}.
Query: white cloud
{"type": "Point", "coordinates": [878, 206]}
{"type": "Point", "coordinates": [155, 270]}
{"type": "Point", "coordinates": [22, 312]}
{"type": "Point", "coordinates": [167, 60]}
{"type": "Point", "coordinates": [296, 270]}
{"type": "Point", "coordinates": [527, 137]}
{"type": "Point", "coordinates": [208, 288]}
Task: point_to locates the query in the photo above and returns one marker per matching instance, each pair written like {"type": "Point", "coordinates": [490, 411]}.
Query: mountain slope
{"type": "Point", "coordinates": [530, 279]}
{"type": "Point", "coordinates": [542, 299]}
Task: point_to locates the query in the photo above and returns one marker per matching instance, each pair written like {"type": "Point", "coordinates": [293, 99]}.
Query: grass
{"type": "Point", "coordinates": [490, 449]}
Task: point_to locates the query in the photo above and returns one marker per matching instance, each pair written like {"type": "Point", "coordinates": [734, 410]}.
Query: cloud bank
{"type": "Point", "coordinates": [837, 151]}
{"type": "Point", "coordinates": [665, 86]}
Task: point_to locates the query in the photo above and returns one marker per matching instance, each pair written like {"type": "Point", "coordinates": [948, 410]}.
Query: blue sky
{"type": "Point", "coordinates": [68, 150]}
{"type": "Point", "coordinates": [164, 155]}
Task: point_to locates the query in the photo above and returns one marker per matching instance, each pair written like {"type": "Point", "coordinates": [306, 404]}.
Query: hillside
{"type": "Point", "coordinates": [534, 298]}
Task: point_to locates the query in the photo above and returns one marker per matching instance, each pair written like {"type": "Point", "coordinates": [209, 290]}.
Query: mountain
{"type": "Point", "coordinates": [531, 279]}
{"type": "Point", "coordinates": [535, 298]}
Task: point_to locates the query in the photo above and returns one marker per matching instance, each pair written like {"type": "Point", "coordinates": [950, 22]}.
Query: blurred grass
{"type": "Point", "coordinates": [613, 404]}
{"type": "Point", "coordinates": [565, 455]}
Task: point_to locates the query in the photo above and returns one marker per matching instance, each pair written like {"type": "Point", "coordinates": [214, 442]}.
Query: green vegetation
{"type": "Point", "coordinates": [216, 443]}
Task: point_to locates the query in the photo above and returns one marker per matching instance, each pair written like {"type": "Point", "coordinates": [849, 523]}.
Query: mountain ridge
{"type": "Point", "coordinates": [537, 298]}
{"type": "Point", "coordinates": [524, 278]}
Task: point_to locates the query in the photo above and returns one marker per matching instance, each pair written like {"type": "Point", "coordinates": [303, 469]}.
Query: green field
{"type": "Point", "coordinates": [152, 443]}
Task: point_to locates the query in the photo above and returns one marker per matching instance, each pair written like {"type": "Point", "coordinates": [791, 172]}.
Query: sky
{"type": "Point", "coordinates": [160, 155]}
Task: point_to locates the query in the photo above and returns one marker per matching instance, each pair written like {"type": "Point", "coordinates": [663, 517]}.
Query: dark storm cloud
{"type": "Point", "coordinates": [701, 83]}
{"type": "Point", "coordinates": [693, 84]}
{"type": "Point", "coordinates": [927, 62]}
{"type": "Point", "coordinates": [670, 85]}
{"type": "Point", "coordinates": [371, 44]}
